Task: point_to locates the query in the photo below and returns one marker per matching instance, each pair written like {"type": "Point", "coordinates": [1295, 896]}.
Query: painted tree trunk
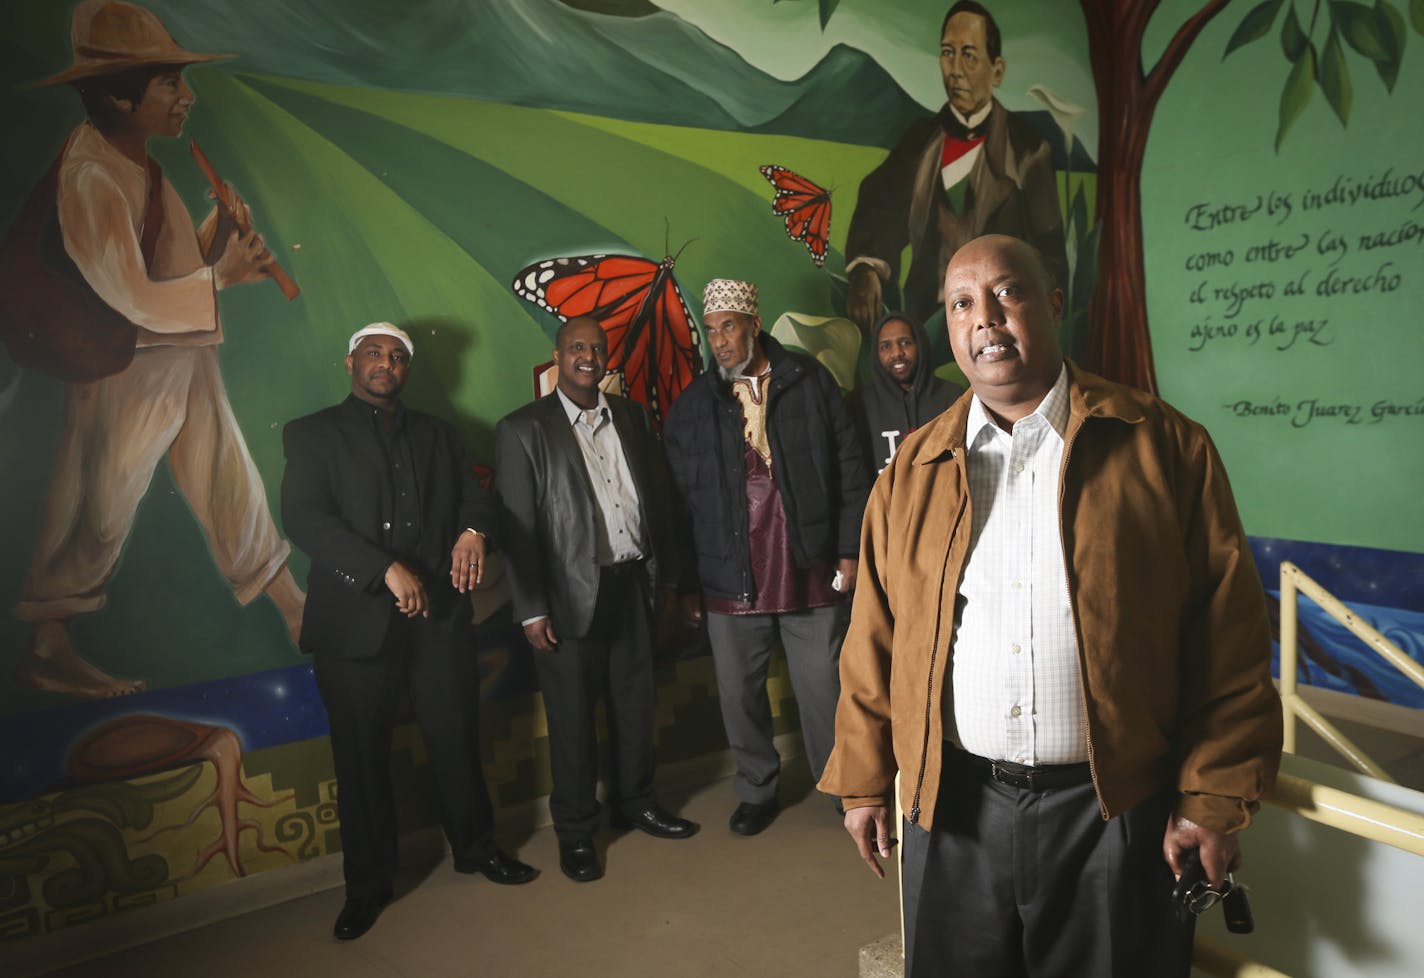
{"type": "Point", "coordinates": [1119, 344]}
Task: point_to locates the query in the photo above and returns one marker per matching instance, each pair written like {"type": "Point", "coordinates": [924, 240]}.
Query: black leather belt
{"type": "Point", "coordinates": [1044, 777]}
{"type": "Point", "coordinates": [623, 567]}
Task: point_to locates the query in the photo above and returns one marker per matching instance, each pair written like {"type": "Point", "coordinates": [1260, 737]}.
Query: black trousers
{"type": "Point", "coordinates": [1013, 883]}
{"type": "Point", "coordinates": [613, 662]}
{"type": "Point", "coordinates": [435, 662]}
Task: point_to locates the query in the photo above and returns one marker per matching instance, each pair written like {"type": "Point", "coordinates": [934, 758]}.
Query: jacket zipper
{"type": "Point", "coordinates": [929, 684]}
{"type": "Point", "coordinates": [929, 700]}
{"type": "Point", "coordinates": [1077, 628]}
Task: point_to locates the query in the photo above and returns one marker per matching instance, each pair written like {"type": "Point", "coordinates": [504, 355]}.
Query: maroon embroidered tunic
{"type": "Point", "coordinates": [778, 584]}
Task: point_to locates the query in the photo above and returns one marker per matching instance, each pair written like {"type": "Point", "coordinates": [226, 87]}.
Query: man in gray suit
{"type": "Point", "coordinates": [583, 492]}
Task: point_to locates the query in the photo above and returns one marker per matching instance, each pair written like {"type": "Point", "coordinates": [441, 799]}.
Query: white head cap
{"type": "Point", "coordinates": [381, 329]}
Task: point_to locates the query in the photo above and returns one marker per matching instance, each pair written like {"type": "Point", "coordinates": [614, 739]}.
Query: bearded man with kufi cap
{"type": "Point", "coordinates": [125, 230]}
{"type": "Point", "coordinates": [769, 467]}
{"type": "Point", "coordinates": [388, 507]}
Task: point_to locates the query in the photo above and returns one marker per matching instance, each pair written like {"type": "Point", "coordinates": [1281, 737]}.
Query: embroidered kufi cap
{"type": "Point", "coordinates": [381, 329]}
{"type": "Point", "coordinates": [729, 295]}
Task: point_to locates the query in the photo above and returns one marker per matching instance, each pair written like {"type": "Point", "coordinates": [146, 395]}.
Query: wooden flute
{"type": "Point", "coordinates": [223, 195]}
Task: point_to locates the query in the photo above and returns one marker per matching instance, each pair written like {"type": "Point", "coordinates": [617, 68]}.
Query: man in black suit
{"type": "Point", "coordinates": [388, 508]}
{"type": "Point", "coordinates": [583, 492]}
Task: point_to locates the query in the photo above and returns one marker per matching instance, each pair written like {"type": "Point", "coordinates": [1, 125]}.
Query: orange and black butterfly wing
{"type": "Point", "coordinates": [651, 339]}
{"type": "Point", "coordinates": [806, 208]}
{"type": "Point", "coordinates": [675, 357]}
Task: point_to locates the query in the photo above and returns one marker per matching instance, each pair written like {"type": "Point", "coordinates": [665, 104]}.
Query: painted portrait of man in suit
{"type": "Point", "coordinates": [974, 168]}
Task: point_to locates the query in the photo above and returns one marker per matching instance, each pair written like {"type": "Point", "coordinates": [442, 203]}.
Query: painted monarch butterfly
{"type": "Point", "coordinates": [652, 342]}
{"type": "Point", "coordinates": [806, 206]}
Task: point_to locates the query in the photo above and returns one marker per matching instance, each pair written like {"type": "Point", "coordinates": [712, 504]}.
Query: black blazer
{"type": "Point", "coordinates": [337, 502]}
{"type": "Point", "coordinates": [549, 518]}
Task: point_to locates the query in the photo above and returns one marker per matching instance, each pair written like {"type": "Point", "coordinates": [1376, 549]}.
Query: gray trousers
{"type": "Point", "coordinates": [741, 651]}
{"type": "Point", "coordinates": [1012, 883]}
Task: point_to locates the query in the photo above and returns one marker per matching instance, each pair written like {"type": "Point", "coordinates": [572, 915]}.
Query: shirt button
{"type": "Point", "coordinates": [1016, 648]}
{"type": "Point", "coordinates": [1020, 760]}
{"type": "Point", "coordinates": [385, 526]}
{"type": "Point", "coordinates": [1018, 585]}
{"type": "Point", "coordinates": [1018, 466]}
{"type": "Point", "coordinates": [1016, 711]}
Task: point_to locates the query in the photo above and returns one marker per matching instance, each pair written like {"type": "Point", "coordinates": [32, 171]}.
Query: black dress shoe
{"type": "Point", "coordinates": [356, 918]}
{"type": "Point", "coordinates": [579, 861]}
{"type": "Point", "coordinates": [751, 819]}
{"type": "Point", "coordinates": [498, 868]}
{"type": "Point", "coordinates": [653, 819]}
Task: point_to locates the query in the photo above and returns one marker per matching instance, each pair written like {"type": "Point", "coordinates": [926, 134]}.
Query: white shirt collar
{"type": "Point", "coordinates": [1053, 408]}
{"type": "Point", "coordinates": [977, 119]}
{"type": "Point", "coordinates": [574, 412]}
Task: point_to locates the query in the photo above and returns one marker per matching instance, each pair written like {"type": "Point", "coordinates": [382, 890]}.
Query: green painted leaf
{"type": "Point", "coordinates": [828, 7]}
{"type": "Point", "coordinates": [1360, 28]}
{"type": "Point", "coordinates": [1391, 28]}
{"type": "Point", "coordinates": [1253, 26]}
{"type": "Point", "coordinates": [1416, 15]}
{"type": "Point", "coordinates": [1296, 94]}
{"type": "Point", "coordinates": [1335, 77]}
{"type": "Point", "coordinates": [1292, 37]}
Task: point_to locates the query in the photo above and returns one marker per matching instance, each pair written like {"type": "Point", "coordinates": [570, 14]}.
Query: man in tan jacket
{"type": "Point", "coordinates": [1060, 642]}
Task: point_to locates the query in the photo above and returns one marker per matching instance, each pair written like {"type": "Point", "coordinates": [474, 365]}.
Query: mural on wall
{"type": "Point", "coordinates": [974, 168]}
{"type": "Point", "coordinates": [804, 206]}
{"type": "Point", "coordinates": [654, 350]}
{"type": "Point", "coordinates": [1281, 289]}
{"type": "Point", "coordinates": [130, 239]}
{"type": "Point", "coordinates": [1129, 94]}
{"type": "Point", "coordinates": [477, 171]}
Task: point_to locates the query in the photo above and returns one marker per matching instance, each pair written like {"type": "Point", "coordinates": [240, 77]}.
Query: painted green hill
{"type": "Point", "coordinates": [652, 66]}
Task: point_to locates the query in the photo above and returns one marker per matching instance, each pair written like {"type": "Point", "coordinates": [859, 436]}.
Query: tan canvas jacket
{"type": "Point", "coordinates": [1174, 640]}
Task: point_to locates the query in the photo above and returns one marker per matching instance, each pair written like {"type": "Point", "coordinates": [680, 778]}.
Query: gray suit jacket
{"type": "Point", "coordinates": [549, 519]}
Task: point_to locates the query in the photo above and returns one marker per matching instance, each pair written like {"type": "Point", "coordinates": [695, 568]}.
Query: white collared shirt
{"type": "Point", "coordinates": [976, 120]}
{"type": "Point", "coordinates": [615, 496]}
{"type": "Point", "coordinates": [1016, 689]}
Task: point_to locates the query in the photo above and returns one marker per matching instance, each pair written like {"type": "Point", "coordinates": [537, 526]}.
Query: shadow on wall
{"type": "Point", "coordinates": [1328, 904]}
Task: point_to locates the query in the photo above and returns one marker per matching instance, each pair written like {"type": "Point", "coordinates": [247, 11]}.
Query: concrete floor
{"type": "Point", "coordinates": [794, 901]}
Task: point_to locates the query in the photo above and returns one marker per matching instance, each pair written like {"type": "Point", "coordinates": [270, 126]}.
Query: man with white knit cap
{"type": "Point", "coordinates": [766, 457]}
{"type": "Point", "coordinates": [388, 507]}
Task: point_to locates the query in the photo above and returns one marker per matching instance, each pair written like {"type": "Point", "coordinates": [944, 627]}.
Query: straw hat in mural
{"type": "Point", "coordinates": [109, 37]}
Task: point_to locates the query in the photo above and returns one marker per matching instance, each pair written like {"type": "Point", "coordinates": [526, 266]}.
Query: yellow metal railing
{"type": "Point", "coordinates": [1221, 963]}
{"type": "Point", "coordinates": [1295, 582]}
{"type": "Point", "coordinates": [1365, 817]}
{"type": "Point", "coordinates": [1343, 810]}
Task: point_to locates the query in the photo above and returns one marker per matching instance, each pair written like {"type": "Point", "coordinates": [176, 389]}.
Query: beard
{"type": "Point", "coordinates": [739, 368]}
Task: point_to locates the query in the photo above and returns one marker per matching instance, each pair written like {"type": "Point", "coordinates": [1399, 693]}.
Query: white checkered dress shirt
{"type": "Point", "coordinates": [620, 527]}
{"type": "Point", "coordinates": [1016, 694]}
